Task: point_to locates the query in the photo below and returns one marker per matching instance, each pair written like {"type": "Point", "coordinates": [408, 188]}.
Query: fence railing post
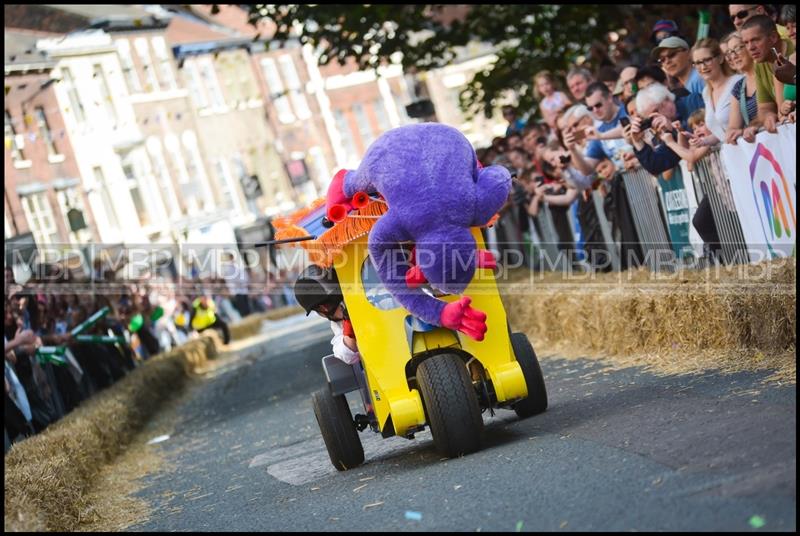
{"type": "Point", "coordinates": [716, 186]}
{"type": "Point", "coordinates": [605, 227]}
{"type": "Point", "coordinates": [640, 187]}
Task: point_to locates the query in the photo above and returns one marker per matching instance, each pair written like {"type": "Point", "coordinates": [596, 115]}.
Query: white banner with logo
{"type": "Point", "coordinates": [763, 178]}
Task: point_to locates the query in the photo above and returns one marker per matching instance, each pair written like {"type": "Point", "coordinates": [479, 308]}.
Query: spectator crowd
{"type": "Point", "coordinates": [633, 109]}
{"type": "Point", "coordinates": [68, 337]}
{"type": "Point", "coordinates": [678, 104]}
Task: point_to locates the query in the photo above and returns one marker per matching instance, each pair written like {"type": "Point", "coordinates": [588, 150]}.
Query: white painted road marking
{"type": "Point", "coordinates": [308, 461]}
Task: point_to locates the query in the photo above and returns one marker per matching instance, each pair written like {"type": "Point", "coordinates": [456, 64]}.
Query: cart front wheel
{"type": "Point", "coordinates": [450, 404]}
{"type": "Point", "coordinates": [536, 402]}
{"type": "Point", "coordinates": [338, 429]}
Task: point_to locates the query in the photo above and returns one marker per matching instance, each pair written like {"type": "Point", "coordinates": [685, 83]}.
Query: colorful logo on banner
{"type": "Point", "coordinates": [774, 197]}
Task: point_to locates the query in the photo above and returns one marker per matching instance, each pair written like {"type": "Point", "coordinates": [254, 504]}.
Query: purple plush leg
{"type": "Point", "coordinates": [447, 257]}
{"type": "Point", "coordinates": [491, 192]}
{"type": "Point", "coordinates": [384, 239]}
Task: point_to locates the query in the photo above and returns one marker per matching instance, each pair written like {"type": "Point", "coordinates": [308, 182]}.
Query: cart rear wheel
{"type": "Point", "coordinates": [450, 404]}
{"type": "Point", "coordinates": [537, 393]}
{"type": "Point", "coordinates": [338, 429]}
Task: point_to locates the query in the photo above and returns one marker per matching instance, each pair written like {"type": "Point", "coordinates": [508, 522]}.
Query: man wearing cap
{"type": "Point", "coordinates": [663, 29]}
{"type": "Point", "coordinates": [672, 54]}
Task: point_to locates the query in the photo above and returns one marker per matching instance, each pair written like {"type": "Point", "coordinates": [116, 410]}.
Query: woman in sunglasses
{"type": "Point", "coordinates": [708, 60]}
{"type": "Point", "coordinates": [744, 106]}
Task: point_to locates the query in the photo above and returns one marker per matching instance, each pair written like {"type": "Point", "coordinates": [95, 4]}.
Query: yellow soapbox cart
{"type": "Point", "coordinates": [413, 374]}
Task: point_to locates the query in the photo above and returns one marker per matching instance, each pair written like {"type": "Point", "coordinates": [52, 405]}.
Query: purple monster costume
{"type": "Point", "coordinates": [429, 176]}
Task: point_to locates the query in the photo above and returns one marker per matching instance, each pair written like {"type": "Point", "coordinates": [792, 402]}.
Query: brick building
{"type": "Point", "coordinates": [42, 178]}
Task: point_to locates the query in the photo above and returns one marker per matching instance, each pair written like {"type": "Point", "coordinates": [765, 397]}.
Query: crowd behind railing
{"type": "Point", "coordinates": [595, 171]}
{"type": "Point", "coordinates": [600, 175]}
{"type": "Point", "coordinates": [64, 342]}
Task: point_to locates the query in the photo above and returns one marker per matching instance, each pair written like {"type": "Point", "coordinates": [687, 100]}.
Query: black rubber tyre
{"type": "Point", "coordinates": [451, 405]}
{"type": "Point", "coordinates": [536, 402]}
{"type": "Point", "coordinates": [338, 429]}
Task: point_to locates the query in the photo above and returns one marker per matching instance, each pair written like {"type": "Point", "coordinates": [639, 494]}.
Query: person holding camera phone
{"type": "Point", "coordinates": [556, 191]}
{"type": "Point", "coordinates": [573, 125]}
{"type": "Point", "coordinates": [606, 113]}
{"type": "Point", "coordinates": [656, 113]}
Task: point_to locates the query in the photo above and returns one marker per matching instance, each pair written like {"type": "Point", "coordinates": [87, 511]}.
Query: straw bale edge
{"type": "Point", "coordinates": [733, 318]}
{"type": "Point", "coordinates": [48, 476]}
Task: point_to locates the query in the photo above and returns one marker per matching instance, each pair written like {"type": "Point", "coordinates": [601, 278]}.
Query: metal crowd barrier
{"type": "Point", "coordinates": [547, 234]}
{"type": "Point", "coordinates": [605, 227]}
{"type": "Point", "coordinates": [556, 259]}
{"type": "Point", "coordinates": [648, 220]}
{"type": "Point", "coordinates": [715, 184]}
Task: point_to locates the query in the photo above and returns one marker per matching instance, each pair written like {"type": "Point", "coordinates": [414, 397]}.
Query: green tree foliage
{"type": "Point", "coordinates": [526, 38]}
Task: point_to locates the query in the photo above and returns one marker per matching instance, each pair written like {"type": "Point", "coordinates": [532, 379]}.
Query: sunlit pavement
{"type": "Point", "coordinates": [616, 450]}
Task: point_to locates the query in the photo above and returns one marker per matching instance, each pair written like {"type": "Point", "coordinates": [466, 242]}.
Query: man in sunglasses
{"type": "Point", "coordinates": [672, 54]}
{"type": "Point", "coordinates": [741, 13]}
{"type": "Point", "coordinates": [607, 142]}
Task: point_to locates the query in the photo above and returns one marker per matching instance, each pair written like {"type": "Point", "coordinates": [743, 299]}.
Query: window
{"type": "Point", "coordinates": [196, 168]}
{"type": "Point", "coordinates": [17, 153]}
{"type": "Point", "coordinates": [227, 65]}
{"type": "Point", "coordinates": [136, 195]}
{"type": "Point", "coordinates": [70, 198]}
{"type": "Point", "coordinates": [128, 68]}
{"type": "Point", "coordinates": [72, 93]}
{"type": "Point", "coordinates": [276, 90]}
{"type": "Point", "coordinates": [195, 85]}
{"type": "Point", "coordinates": [40, 219]}
{"type": "Point", "coordinates": [211, 84]}
{"type": "Point", "coordinates": [142, 50]}
{"type": "Point", "coordinates": [105, 198]}
{"type": "Point", "coordinates": [163, 178]}
{"type": "Point", "coordinates": [320, 164]}
{"type": "Point", "coordinates": [164, 63]}
{"type": "Point", "coordinates": [192, 169]}
{"type": "Point", "coordinates": [7, 229]}
{"type": "Point", "coordinates": [174, 149]}
{"type": "Point", "coordinates": [105, 95]}
{"type": "Point", "coordinates": [230, 199]}
{"type": "Point", "coordinates": [295, 87]}
{"type": "Point", "coordinates": [191, 192]}
{"type": "Point", "coordinates": [246, 78]}
{"type": "Point", "coordinates": [347, 137]}
{"type": "Point", "coordinates": [364, 128]}
{"type": "Point", "coordinates": [240, 171]}
{"type": "Point", "coordinates": [401, 110]}
{"type": "Point", "coordinates": [380, 114]}
{"type": "Point", "coordinates": [44, 131]}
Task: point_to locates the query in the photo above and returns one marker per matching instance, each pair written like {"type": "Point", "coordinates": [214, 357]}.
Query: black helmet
{"type": "Point", "coordinates": [316, 286]}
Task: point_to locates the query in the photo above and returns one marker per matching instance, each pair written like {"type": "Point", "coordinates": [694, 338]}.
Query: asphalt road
{"type": "Point", "coordinates": [616, 451]}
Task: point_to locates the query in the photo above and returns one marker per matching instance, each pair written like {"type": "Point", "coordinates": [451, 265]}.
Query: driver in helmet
{"type": "Point", "coordinates": [318, 290]}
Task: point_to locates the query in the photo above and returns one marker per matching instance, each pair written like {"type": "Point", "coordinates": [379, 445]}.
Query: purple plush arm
{"type": "Point", "coordinates": [383, 239]}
